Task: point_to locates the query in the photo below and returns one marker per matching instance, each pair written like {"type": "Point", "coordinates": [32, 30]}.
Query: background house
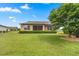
{"type": "Point", "coordinates": [13, 28]}
{"type": "Point", "coordinates": [4, 28]}
{"type": "Point", "coordinates": [36, 25]}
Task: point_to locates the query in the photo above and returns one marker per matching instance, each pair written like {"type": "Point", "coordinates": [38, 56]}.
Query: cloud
{"type": "Point", "coordinates": [25, 6]}
{"type": "Point", "coordinates": [9, 9]}
{"type": "Point", "coordinates": [10, 17]}
{"type": "Point", "coordinates": [47, 3]}
{"type": "Point", "coordinates": [13, 19]}
{"type": "Point", "coordinates": [34, 16]}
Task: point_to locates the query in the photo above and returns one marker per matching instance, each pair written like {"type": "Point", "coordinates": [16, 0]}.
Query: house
{"type": "Point", "coordinates": [13, 28]}
{"type": "Point", "coordinates": [4, 28]}
{"type": "Point", "coordinates": [7, 28]}
{"type": "Point", "coordinates": [36, 25]}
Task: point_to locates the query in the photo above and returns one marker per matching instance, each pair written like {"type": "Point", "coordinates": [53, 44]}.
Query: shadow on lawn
{"type": "Point", "coordinates": [53, 39]}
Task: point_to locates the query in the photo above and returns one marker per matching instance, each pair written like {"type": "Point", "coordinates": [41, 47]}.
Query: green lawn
{"type": "Point", "coordinates": [16, 44]}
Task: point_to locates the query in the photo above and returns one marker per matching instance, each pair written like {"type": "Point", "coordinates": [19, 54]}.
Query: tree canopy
{"type": "Point", "coordinates": [66, 15]}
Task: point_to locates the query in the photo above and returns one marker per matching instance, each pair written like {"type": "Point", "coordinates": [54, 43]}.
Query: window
{"type": "Point", "coordinates": [26, 27]}
{"type": "Point", "coordinates": [37, 27]}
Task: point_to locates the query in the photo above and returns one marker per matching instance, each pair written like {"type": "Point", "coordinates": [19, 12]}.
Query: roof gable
{"type": "Point", "coordinates": [3, 26]}
{"type": "Point", "coordinates": [37, 22]}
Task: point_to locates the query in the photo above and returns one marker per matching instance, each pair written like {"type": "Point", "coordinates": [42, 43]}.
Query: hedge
{"type": "Point", "coordinates": [36, 31]}
{"type": "Point", "coordinates": [3, 31]}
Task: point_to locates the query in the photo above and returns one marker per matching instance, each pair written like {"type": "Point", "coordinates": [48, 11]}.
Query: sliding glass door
{"type": "Point", "coordinates": [37, 27]}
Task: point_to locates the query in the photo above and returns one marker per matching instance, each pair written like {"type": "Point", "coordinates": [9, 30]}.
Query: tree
{"type": "Point", "coordinates": [66, 15]}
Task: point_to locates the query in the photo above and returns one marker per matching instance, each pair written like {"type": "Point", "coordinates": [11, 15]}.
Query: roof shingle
{"type": "Point", "coordinates": [37, 22]}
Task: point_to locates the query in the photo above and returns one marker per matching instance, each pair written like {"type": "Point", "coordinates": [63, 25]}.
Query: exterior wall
{"type": "Point", "coordinates": [45, 27]}
{"type": "Point", "coordinates": [3, 28]}
{"type": "Point", "coordinates": [8, 29]}
{"type": "Point", "coordinates": [25, 26]}
{"type": "Point", "coordinates": [31, 27]}
{"type": "Point", "coordinates": [22, 27]}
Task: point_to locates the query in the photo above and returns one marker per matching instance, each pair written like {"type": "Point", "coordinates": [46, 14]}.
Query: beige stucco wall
{"type": "Point", "coordinates": [23, 26]}
{"type": "Point", "coordinates": [43, 27]}
{"type": "Point", "coordinates": [46, 28]}
{"type": "Point", "coordinates": [31, 28]}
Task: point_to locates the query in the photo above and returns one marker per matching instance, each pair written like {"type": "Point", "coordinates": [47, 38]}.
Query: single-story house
{"type": "Point", "coordinates": [13, 28]}
{"type": "Point", "coordinates": [36, 25]}
{"type": "Point", "coordinates": [4, 28]}
{"type": "Point", "coordinates": [7, 28]}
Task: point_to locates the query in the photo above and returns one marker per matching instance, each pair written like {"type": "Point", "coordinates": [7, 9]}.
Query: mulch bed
{"type": "Point", "coordinates": [72, 38]}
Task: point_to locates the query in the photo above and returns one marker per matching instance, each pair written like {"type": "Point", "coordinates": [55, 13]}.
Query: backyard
{"type": "Point", "coordinates": [15, 44]}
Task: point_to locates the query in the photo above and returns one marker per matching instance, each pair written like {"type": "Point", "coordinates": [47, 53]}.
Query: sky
{"type": "Point", "coordinates": [12, 14]}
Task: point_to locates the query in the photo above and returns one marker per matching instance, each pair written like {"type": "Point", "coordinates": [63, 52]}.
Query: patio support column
{"type": "Point", "coordinates": [22, 28]}
{"type": "Point", "coordinates": [43, 27]}
{"type": "Point", "coordinates": [31, 27]}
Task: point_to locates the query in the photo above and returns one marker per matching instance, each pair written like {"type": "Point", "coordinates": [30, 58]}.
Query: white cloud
{"type": "Point", "coordinates": [13, 20]}
{"type": "Point", "coordinates": [34, 16]}
{"type": "Point", "coordinates": [9, 9]}
{"type": "Point", "coordinates": [25, 6]}
{"type": "Point", "coordinates": [11, 17]}
{"type": "Point", "coordinates": [47, 3]}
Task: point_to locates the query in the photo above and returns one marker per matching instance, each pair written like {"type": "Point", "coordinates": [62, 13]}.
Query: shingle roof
{"type": "Point", "coordinates": [3, 26]}
{"type": "Point", "coordinates": [7, 27]}
{"type": "Point", "coordinates": [36, 22]}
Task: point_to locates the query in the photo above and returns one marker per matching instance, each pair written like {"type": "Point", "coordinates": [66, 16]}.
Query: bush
{"type": "Point", "coordinates": [0, 31]}
{"type": "Point", "coordinates": [36, 31]}
{"type": "Point", "coordinates": [60, 32]}
{"type": "Point", "coordinates": [77, 33]}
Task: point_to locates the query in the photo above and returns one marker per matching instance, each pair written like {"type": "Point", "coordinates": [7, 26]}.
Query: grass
{"type": "Point", "coordinates": [15, 44]}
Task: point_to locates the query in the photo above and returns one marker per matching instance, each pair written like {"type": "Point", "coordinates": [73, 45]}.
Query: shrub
{"type": "Point", "coordinates": [37, 31]}
{"type": "Point", "coordinates": [60, 32]}
{"type": "Point", "coordinates": [77, 33]}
